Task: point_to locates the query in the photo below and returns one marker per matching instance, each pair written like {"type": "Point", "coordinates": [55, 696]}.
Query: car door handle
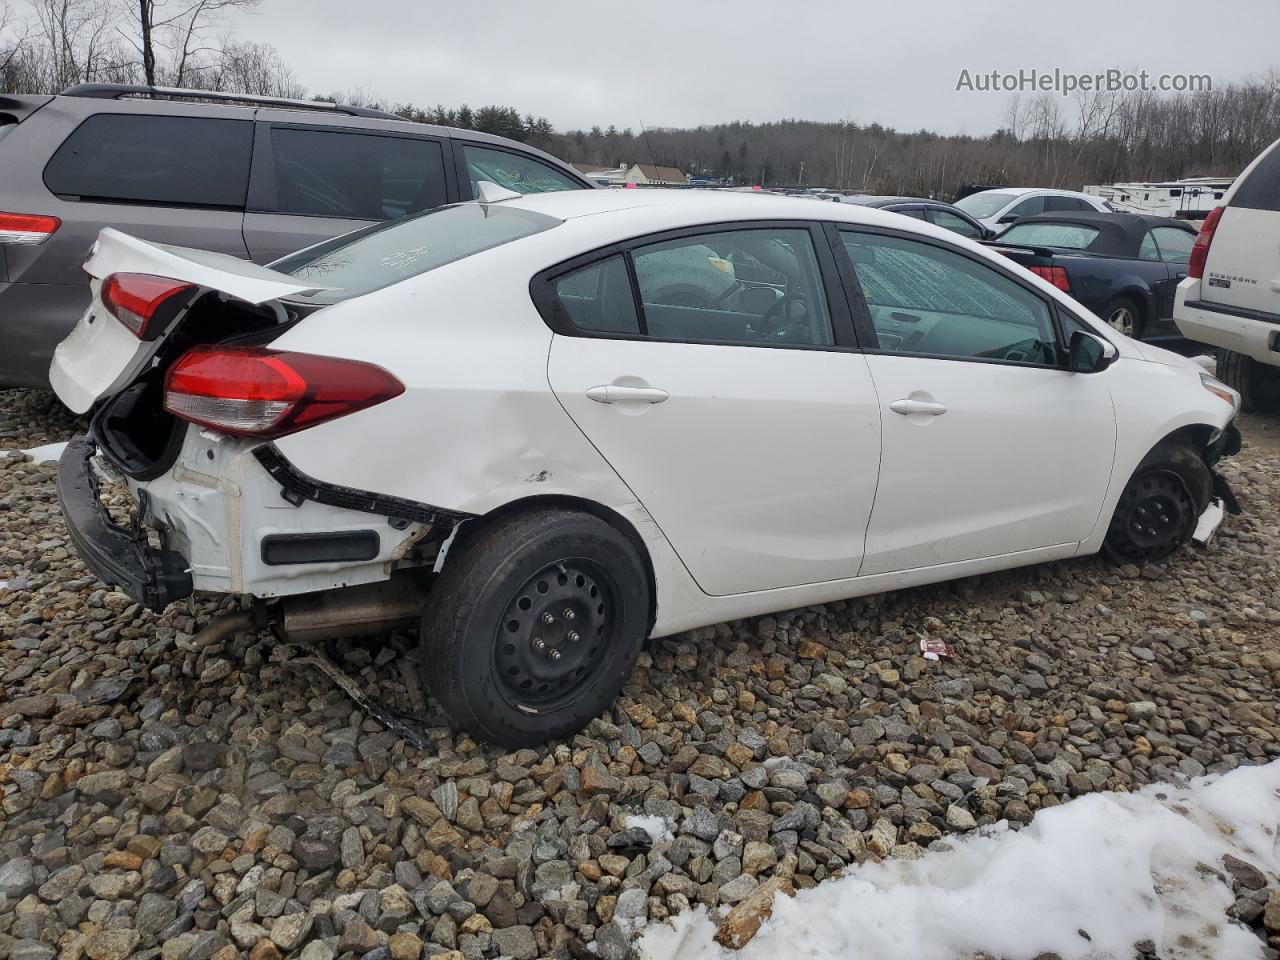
{"type": "Point", "coordinates": [908, 407]}
{"type": "Point", "coordinates": [613, 393]}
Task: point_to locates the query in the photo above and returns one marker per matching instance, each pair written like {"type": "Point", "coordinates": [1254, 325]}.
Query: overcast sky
{"type": "Point", "coordinates": [681, 64]}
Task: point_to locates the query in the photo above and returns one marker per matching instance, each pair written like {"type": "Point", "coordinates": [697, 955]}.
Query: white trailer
{"type": "Point", "coordinates": [1189, 199]}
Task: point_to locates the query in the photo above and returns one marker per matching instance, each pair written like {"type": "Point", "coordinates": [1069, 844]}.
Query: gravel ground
{"type": "Point", "coordinates": [164, 799]}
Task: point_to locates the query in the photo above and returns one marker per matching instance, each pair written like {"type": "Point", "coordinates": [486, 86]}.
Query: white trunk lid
{"type": "Point", "coordinates": [102, 356]}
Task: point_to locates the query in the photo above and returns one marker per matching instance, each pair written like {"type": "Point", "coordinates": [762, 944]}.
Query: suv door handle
{"type": "Point", "coordinates": [908, 407]}
{"type": "Point", "coordinates": [613, 393]}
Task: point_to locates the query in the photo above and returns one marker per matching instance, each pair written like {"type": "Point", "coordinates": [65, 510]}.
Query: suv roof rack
{"type": "Point", "coordinates": [118, 91]}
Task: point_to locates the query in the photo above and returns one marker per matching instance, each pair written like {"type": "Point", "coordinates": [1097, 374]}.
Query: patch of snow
{"type": "Point", "coordinates": [658, 829]}
{"type": "Point", "coordinates": [1121, 867]}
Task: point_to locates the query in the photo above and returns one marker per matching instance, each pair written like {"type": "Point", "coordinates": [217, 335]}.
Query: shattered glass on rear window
{"type": "Point", "coordinates": [378, 256]}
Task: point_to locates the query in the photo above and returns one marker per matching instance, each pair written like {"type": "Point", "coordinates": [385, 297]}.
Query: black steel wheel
{"type": "Point", "coordinates": [534, 625]}
{"type": "Point", "coordinates": [1154, 517]}
{"type": "Point", "coordinates": [554, 633]}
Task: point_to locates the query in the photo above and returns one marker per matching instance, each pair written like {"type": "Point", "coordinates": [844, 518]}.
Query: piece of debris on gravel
{"type": "Point", "coordinates": [190, 802]}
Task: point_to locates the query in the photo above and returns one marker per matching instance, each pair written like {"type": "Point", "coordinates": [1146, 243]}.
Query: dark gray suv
{"type": "Point", "coordinates": [255, 177]}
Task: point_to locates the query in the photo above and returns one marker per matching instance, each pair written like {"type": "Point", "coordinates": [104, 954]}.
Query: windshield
{"type": "Point", "coordinates": [984, 204]}
{"type": "Point", "coordinates": [378, 256]}
{"type": "Point", "coordinates": [1072, 236]}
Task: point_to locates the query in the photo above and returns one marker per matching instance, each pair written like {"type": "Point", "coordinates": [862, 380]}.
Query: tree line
{"type": "Point", "coordinates": [1047, 140]}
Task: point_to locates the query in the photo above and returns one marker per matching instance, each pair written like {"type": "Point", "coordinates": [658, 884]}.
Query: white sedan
{"type": "Point", "coordinates": [544, 428]}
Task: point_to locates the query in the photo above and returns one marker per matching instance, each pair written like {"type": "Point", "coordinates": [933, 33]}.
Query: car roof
{"type": "Point", "coordinates": [1118, 233]}
{"type": "Point", "coordinates": [878, 200]}
{"type": "Point", "coordinates": [1022, 191]}
{"type": "Point", "coordinates": [665, 208]}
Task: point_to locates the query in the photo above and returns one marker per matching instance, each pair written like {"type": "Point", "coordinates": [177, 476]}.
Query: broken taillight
{"type": "Point", "coordinates": [135, 298]}
{"type": "Point", "coordinates": [26, 228]}
{"type": "Point", "coordinates": [264, 393]}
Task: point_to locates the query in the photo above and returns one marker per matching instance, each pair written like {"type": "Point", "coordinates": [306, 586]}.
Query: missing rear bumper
{"type": "Point", "coordinates": [118, 556]}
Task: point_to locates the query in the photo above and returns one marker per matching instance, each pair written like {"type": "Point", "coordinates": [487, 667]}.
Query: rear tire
{"type": "Point", "coordinates": [1257, 383]}
{"type": "Point", "coordinates": [534, 626]}
{"type": "Point", "coordinates": [1158, 510]}
{"type": "Point", "coordinates": [1123, 315]}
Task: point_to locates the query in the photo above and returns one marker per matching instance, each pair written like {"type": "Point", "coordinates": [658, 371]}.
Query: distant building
{"type": "Point", "coordinates": [641, 174]}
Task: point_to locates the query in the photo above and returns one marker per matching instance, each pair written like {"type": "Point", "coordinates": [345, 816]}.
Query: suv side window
{"type": "Point", "coordinates": [184, 161]}
{"type": "Point", "coordinates": [514, 172]}
{"type": "Point", "coordinates": [359, 176]}
{"type": "Point", "coordinates": [927, 300]}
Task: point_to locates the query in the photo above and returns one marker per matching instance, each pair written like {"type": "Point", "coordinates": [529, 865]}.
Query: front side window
{"type": "Point", "coordinates": [949, 221]}
{"type": "Point", "coordinates": [927, 300]}
{"type": "Point", "coordinates": [378, 256]}
{"type": "Point", "coordinates": [183, 161]}
{"type": "Point", "coordinates": [332, 173]}
{"type": "Point", "coordinates": [1070, 236]}
{"type": "Point", "coordinates": [1027, 208]}
{"type": "Point", "coordinates": [514, 172]}
{"type": "Point", "coordinates": [752, 286]}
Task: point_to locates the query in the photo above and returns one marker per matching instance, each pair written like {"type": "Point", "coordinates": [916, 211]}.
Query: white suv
{"type": "Point", "coordinates": [1231, 296]}
{"type": "Point", "coordinates": [996, 209]}
{"type": "Point", "coordinates": [544, 428]}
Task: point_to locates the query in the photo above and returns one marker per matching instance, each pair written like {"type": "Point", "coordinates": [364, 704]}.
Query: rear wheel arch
{"type": "Point", "coordinates": [516, 508]}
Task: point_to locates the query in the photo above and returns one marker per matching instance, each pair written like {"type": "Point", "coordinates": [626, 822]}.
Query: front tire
{"type": "Point", "coordinates": [1158, 510]}
{"type": "Point", "coordinates": [1257, 383]}
{"type": "Point", "coordinates": [534, 626]}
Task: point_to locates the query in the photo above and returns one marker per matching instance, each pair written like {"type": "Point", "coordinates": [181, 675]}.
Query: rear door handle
{"type": "Point", "coordinates": [908, 407]}
{"type": "Point", "coordinates": [613, 393]}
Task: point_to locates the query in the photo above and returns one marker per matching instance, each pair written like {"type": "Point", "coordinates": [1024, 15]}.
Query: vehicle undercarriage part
{"type": "Point", "coordinates": [306, 621]}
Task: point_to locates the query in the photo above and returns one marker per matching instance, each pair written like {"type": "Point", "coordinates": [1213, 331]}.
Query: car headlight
{"type": "Point", "coordinates": [1220, 389]}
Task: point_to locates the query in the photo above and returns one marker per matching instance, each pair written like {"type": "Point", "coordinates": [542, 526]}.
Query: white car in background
{"type": "Point", "coordinates": [551, 426]}
{"type": "Point", "coordinates": [996, 209]}
{"type": "Point", "coordinates": [1231, 296]}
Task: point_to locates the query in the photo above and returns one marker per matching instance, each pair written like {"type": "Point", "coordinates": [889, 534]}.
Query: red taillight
{"type": "Point", "coordinates": [27, 228]}
{"type": "Point", "coordinates": [1055, 275]}
{"type": "Point", "coordinates": [257, 392]}
{"type": "Point", "coordinates": [1204, 239]}
{"type": "Point", "coordinates": [134, 298]}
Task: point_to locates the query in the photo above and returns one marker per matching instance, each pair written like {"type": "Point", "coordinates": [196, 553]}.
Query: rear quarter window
{"type": "Point", "coordinates": [181, 161]}
{"type": "Point", "coordinates": [1261, 188]}
{"type": "Point", "coordinates": [1068, 235]}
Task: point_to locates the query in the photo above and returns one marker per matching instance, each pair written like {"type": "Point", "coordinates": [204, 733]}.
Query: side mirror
{"type": "Point", "coordinates": [1008, 218]}
{"type": "Point", "coordinates": [1090, 354]}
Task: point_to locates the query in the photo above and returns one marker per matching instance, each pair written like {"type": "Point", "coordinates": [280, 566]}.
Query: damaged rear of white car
{"type": "Point", "coordinates": [543, 429]}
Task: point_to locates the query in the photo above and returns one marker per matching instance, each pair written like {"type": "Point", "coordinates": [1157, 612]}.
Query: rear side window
{"type": "Point", "coordinates": [186, 161]}
{"type": "Point", "coordinates": [357, 176]}
{"type": "Point", "coordinates": [1072, 236]}
{"type": "Point", "coordinates": [599, 297]}
{"type": "Point", "coordinates": [386, 253]}
{"type": "Point", "coordinates": [1261, 189]}
{"type": "Point", "coordinates": [514, 171]}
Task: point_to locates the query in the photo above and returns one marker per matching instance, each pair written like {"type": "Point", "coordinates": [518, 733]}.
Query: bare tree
{"type": "Point", "coordinates": [183, 29]}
